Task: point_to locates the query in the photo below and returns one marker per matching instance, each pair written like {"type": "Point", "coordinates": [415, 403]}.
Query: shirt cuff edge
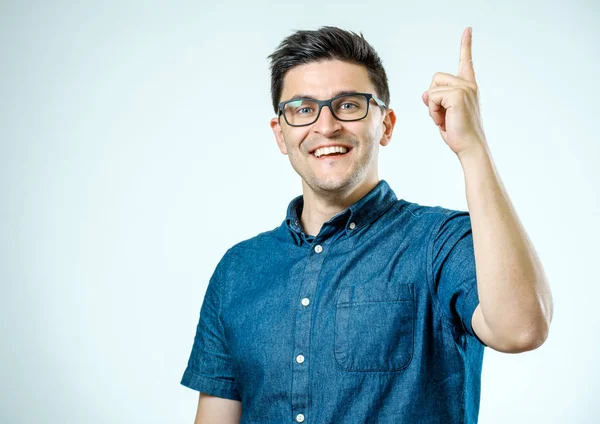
{"type": "Point", "coordinates": [211, 386]}
{"type": "Point", "coordinates": [469, 305]}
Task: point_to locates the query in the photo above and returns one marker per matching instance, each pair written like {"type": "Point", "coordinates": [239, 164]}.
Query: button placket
{"type": "Point", "coordinates": [304, 317]}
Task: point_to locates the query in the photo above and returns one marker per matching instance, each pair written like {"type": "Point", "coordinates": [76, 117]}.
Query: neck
{"type": "Point", "coordinates": [320, 206]}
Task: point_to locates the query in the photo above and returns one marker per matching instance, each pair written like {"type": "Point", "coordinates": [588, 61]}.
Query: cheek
{"type": "Point", "coordinates": [374, 136]}
{"type": "Point", "coordinates": [367, 136]}
{"type": "Point", "coordinates": [293, 140]}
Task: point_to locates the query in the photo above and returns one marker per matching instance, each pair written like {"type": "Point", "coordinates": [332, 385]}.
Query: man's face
{"type": "Point", "coordinates": [340, 173]}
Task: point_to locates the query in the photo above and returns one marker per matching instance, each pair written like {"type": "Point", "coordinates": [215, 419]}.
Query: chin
{"type": "Point", "coordinates": [335, 184]}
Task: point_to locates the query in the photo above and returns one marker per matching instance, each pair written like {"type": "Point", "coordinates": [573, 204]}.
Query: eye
{"type": "Point", "coordinates": [303, 110]}
{"type": "Point", "coordinates": [348, 105]}
{"type": "Point", "coordinates": [301, 107]}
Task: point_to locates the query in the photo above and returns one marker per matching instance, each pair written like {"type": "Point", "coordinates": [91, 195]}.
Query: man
{"type": "Point", "coordinates": [362, 307]}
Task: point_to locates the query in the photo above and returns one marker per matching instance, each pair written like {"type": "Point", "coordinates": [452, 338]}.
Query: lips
{"type": "Point", "coordinates": [332, 150]}
{"type": "Point", "coordinates": [331, 156]}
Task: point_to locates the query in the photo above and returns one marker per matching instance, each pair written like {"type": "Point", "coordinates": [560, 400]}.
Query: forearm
{"type": "Point", "coordinates": [514, 295]}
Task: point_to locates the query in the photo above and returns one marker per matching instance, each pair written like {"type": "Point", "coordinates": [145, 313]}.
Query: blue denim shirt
{"type": "Point", "coordinates": [369, 321]}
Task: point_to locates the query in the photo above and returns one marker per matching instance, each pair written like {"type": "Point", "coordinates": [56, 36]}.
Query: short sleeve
{"type": "Point", "coordinates": [453, 270]}
{"type": "Point", "coordinates": [209, 368]}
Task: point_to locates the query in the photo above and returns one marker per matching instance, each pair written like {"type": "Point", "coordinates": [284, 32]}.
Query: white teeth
{"type": "Point", "coordinates": [327, 150]}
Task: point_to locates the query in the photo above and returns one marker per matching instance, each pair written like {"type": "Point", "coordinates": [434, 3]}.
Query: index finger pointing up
{"type": "Point", "coordinates": [465, 65]}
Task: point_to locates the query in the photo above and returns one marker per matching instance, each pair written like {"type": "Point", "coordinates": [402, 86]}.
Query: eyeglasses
{"type": "Point", "coordinates": [299, 112]}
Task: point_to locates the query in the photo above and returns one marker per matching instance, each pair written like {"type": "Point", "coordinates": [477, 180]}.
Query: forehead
{"type": "Point", "coordinates": [322, 80]}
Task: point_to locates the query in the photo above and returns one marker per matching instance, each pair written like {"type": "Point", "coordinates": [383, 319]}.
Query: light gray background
{"type": "Point", "coordinates": [135, 149]}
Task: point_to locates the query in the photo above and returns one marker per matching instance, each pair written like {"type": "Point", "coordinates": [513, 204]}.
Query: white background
{"type": "Point", "coordinates": [135, 149]}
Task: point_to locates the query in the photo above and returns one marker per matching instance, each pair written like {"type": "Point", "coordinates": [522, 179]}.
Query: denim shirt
{"type": "Point", "coordinates": [369, 321]}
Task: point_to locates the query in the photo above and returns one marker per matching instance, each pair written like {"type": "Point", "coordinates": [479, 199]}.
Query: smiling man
{"type": "Point", "coordinates": [363, 307]}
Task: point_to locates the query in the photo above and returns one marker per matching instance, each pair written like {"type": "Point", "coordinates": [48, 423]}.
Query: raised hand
{"type": "Point", "coordinates": [454, 103]}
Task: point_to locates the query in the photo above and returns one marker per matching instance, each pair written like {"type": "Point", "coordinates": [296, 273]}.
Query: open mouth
{"type": "Point", "coordinates": [330, 152]}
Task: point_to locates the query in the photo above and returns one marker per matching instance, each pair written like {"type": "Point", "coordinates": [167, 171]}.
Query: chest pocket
{"type": "Point", "coordinates": [374, 326]}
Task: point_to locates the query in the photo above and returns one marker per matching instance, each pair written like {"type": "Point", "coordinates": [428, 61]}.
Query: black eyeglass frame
{"type": "Point", "coordinates": [328, 103]}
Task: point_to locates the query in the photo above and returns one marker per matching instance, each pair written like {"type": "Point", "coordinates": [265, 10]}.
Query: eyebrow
{"type": "Point", "coordinates": [308, 96]}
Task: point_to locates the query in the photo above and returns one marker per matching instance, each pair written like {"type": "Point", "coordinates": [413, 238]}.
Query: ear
{"type": "Point", "coordinates": [389, 121]}
{"type": "Point", "coordinates": [278, 131]}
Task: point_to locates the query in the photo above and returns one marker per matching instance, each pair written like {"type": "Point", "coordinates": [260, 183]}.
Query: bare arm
{"type": "Point", "coordinates": [216, 410]}
{"type": "Point", "coordinates": [516, 303]}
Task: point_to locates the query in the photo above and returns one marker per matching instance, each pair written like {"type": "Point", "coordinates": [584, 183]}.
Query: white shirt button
{"type": "Point", "coordinates": [300, 359]}
{"type": "Point", "coordinates": [352, 225]}
{"type": "Point", "coordinates": [318, 248]}
{"type": "Point", "coordinates": [305, 301]}
{"type": "Point", "coordinates": [300, 418]}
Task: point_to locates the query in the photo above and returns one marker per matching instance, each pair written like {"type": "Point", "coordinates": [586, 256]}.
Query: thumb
{"type": "Point", "coordinates": [425, 98]}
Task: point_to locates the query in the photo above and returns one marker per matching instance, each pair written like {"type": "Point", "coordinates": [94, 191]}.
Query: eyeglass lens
{"type": "Point", "coordinates": [346, 108]}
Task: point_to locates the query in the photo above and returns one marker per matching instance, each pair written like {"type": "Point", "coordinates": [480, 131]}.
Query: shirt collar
{"type": "Point", "coordinates": [352, 219]}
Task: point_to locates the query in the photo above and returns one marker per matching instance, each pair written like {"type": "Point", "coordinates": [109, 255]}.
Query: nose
{"type": "Point", "coordinates": [327, 124]}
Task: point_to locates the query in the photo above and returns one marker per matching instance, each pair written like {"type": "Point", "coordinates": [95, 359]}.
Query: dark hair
{"type": "Point", "coordinates": [327, 42]}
